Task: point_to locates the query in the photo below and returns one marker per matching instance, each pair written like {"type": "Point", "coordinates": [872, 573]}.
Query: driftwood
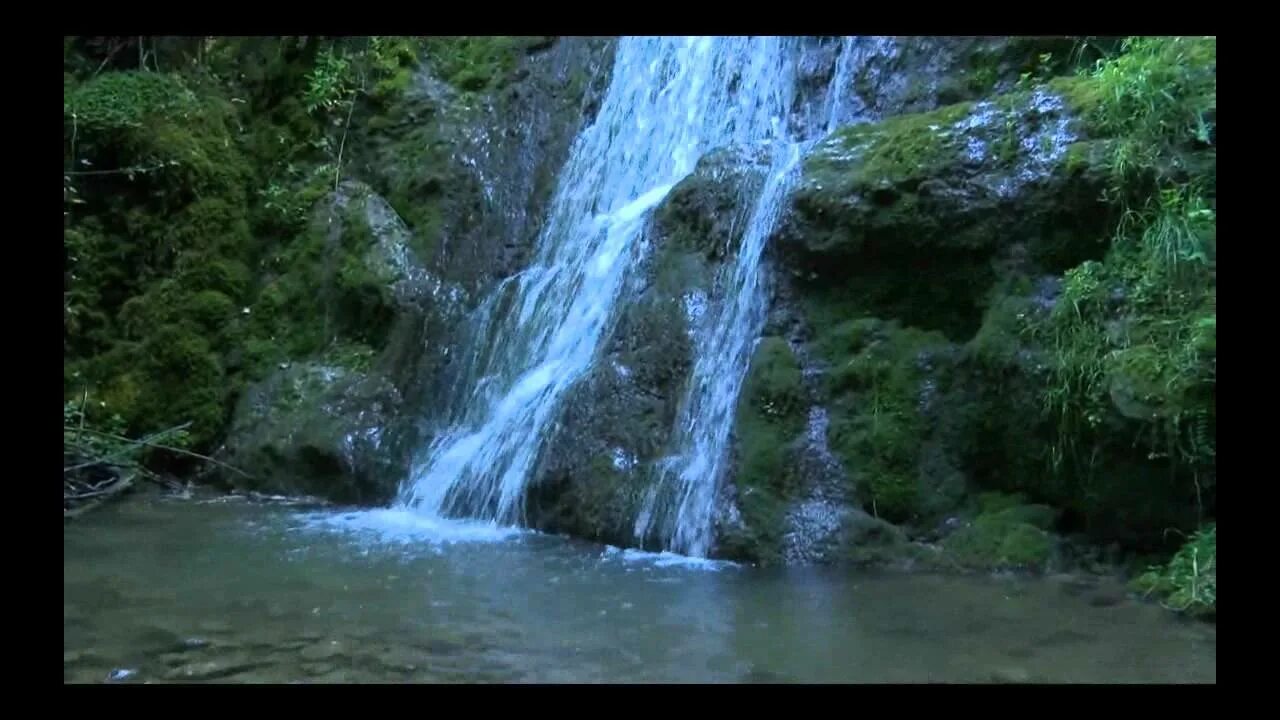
{"type": "Point", "coordinates": [79, 507]}
{"type": "Point", "coordinates": [91, 477]}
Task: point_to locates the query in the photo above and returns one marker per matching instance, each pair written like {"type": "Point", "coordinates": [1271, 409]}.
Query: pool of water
{"type": "Point", "coordinates": [161, 590]}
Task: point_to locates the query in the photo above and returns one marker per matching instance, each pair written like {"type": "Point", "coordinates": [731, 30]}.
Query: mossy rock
{"type": "Point", "coordinates": [319, 429]}
{"type": "Point", "coordinates": [1005, 535]}
{"type": "Point", "coordinates": [598, 501]}
{"type": "Point", "coordinates": [616, 422]}
{"type": "Point", "coordinates": [907, 216]}
{"type": "Point", "coordinates": [889, 406]}
{"type": "Point", "coordinates": [704, 212]}
{"type": "Point", "coordinates": [768, 425]}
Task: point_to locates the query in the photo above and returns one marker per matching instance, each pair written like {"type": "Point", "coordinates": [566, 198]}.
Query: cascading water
{"type": "Point", "coordinates": [681, 503]}
{"type": "Point", "coordinates": [670, 100]}
{"type": "Point", "coordinates": [679, 508]}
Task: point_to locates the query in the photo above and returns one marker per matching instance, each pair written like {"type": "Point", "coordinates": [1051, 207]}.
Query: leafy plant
{"type": "Point", "coordinates": [1136, 333]}
{"type": "Point", "coordinates": [1189, 582]}
{"type": "Point", "coordinates": [330, 83]}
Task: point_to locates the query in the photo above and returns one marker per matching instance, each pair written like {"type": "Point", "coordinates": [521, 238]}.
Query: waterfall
{"type": "Point", "coordinates": [679, 507]}
{"type": "Point", "coordinates": [670, 100]}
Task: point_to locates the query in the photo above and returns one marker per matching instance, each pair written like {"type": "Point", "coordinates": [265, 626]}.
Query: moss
{"type": "Point", "coordinates": [180, 287]}
{"type": "Point", "coordinates": [183, 381]}
{"type": "Point", "coordinates": [900, 147]}
{"type": "Point", "coordinates": [212, 310]}
{"type": "Point", "coordinates": [770, 417]}
{"type": "Point", "coordinates": [353, 356]}
{"type": "Point", "coordinates": [117, 101]}
{"type": "Point", "coordinates": [474, 63]}
{"type": "Point", "coordinates": [226, 276]}
{"type": "Point", "coordinates": [878, 372]}
{"type": "Point", "coordinates": [703, 212]}
{"type": "Point", "coordinates": [1004, 535]}
{"type": "Point", "coordinates": [416, 181]}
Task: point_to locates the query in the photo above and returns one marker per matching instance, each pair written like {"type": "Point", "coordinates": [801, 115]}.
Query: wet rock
{"type": "Point", "coordinates": [318, 428]}
{"type": "Point", "coordinates": [617, 421]}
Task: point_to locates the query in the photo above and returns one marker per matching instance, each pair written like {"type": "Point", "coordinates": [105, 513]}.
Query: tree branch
{"type": "Point", "coordinates": [170, 448]}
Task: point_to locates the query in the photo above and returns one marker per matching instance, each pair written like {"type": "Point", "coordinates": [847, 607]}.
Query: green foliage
{"type": "Point", "coordinates": [377, 67]}
{"type": "Point", "coordinates": [1188, 583]}
{"type": "Point", "coordinates": [391, 61]}
{"type": "Point", "coordinates": [289, 199]}
{"type": "Point", "coordinates": [99, 436]}
{"type": "Point", "coordinates": [75, 419]}
{"type": "Point", "coordinates": [330, 83]}
{"type": "Point", "coordinates": [163, 319]}
{"type": "Point", "coordinates": [1134, 336]}
{"type": "Point", "coordinates": [473, 63]}
{"type": "Point", "coordinates": [122, 100]}
{"type": "Point", "coordinates": [1158, 88]}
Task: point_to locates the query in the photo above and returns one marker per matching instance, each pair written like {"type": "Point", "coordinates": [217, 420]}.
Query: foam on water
{"type": "Point", "coordinates": [399, 525]}
{"type": "Point", "coordinates": [664, 559]}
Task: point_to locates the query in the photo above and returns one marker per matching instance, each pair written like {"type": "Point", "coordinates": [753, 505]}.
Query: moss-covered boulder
{"type": "Point", "coordinates": [1006, 533]}
{"type": "Point", "coordinates": [913, 211]}
{"type": "Point", "coordinates": [318, 429]}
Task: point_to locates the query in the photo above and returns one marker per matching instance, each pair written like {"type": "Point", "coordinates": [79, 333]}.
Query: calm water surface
{"type": "Point", "coordinates": [160, 590]}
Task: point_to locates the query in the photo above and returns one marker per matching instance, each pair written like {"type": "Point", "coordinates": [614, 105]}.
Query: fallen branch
{"type": "Point", "coordinates": [111, 490]}
{"type": "Point", "coordinates": [102, 496]}
{"type": "Point", "coordinates": [170, 448]}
